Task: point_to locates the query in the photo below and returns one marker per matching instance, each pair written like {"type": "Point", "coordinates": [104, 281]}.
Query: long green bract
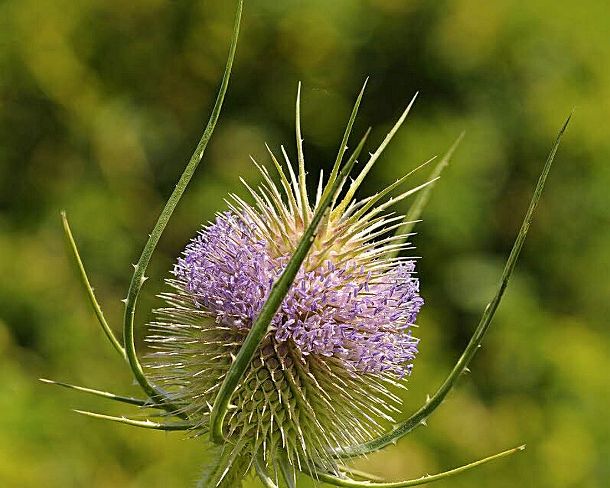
{"type": "Point", "coordinates": [287, 471]}
{"type": "Point", "coordinates": [103, 394]}
{"type": "Point", "coordinates": [145, 424]}
{"type": "Point", "coordinates": [301, 160]}
{"type": "Point", "coordinates": [349, 483]}
{"type": "Point", "coordinates": [223, 459]}
{"type": "Point", "coordinates": [140, 268]}
{"type": "Point", "coordinates": [342, 148]}
{"type": "Point", "coordinates": [358, 473]}
{"type": "Point", "coordinates": [89, 289]}
{"type": "Point", "coordinates": [419, 417]}
{"type": "Point", "coordinates": [417, 207]}
{"type": "Point", "coordinates": [276, 296]}
{"type": "Point", "coordinates": [349, 195]}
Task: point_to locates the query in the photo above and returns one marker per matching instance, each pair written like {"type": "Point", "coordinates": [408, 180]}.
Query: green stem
{"type": "Point", "coordinates": [138, 277]}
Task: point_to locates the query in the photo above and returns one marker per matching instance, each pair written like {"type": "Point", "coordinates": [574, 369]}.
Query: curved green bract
{"type": "Point", "coordinates": [349, 483]}
{"type": "Point", "coordinates": [103, 394]}
{"type": "Point", "coordinates": [301, 160]}
{"type": "Point", "coordinates": [145, 424]}
{"type": "Point", "coordinates": [419, 417]}
{"type": "Point", "coordinates": [276, 296]}
{"type": "Point", "coordinates": [89, 289]}
{"type": "Point", "coordinates": [357, 473]}
{"type": "Point", "coordinates": [343, 147]}
{"type": "Point", "coordinates": [349, 195]}
{"type": "Point", "coordinates": [226, 468]}
{"type": "Point", "coordinates": [417, 207]}
{"type": "Point", "coordinates": [138, 278]}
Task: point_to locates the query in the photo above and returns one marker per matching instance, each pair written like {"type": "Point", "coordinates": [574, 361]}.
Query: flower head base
{"type": "Point", "coordinates": [340, 339]}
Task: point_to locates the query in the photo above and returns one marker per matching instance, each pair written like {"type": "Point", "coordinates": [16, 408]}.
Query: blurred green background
{"type": "Point", "coordinates": [101, 103]}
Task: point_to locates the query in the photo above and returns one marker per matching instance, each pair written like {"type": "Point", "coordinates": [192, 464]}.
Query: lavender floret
{"type": "Point", "coordinates": [361, 318]}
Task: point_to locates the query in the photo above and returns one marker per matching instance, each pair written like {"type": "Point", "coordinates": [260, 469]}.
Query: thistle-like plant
{"type": "Point", "coordinates": [287, 323]}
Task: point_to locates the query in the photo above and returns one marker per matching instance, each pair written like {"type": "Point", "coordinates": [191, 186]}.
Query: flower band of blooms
{"type": "Point", "coordinates": [357, 315]}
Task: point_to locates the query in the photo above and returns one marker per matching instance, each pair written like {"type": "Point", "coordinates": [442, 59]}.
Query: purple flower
{"type": "Point", "coordinates": [349, 310]}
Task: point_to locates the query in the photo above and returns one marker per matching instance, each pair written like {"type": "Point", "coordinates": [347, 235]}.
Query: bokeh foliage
{"type": "Point", "coordinates": [101, 103]}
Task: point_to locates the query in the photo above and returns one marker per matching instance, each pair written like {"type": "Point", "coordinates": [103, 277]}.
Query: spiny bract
{"type": "Point", "coordinates": [323, 374]}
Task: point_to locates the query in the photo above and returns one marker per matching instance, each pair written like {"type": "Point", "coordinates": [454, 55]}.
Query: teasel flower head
{"type": "Point", "coordinates": [323, 375]}
{"type": "Point", "coordinates": [287, 329]}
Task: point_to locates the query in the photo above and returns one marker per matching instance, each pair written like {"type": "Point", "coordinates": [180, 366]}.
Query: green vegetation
{"type": "Point", "coordinates": [101, 105]}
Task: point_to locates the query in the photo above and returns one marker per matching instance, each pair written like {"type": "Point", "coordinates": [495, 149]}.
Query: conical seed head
{"type": "Point", "coordinates": [323, 375]}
